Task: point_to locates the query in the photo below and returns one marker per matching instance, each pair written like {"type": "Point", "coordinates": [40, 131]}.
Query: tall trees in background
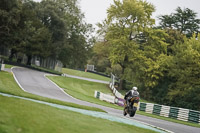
{"type": "Point", "coordinates": [9, 20]}
{"type": "Point", "coordinates": [125, 21]}
{"type": "Point", "coordinates": [183, 20]}
{"type": "Point", "coordinates": [50, 28]}
{"type": "Point", "coordinates": [163, 62]}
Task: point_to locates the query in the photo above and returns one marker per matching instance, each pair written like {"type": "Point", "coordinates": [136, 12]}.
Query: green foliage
{"type": "Point", "coordinates": [100, 56]}
{"type": "Point", "coordinates": [9, 20]}
{"type": "Point", "coordinates": [45, 29]}
{"type": "Point", "coordinates": [185, 72]}
{"type": "Point", "coordinates": [184, 21]}
{"type": "Point", "coordinates": [164, 64]}
{"type": "Point", "coordinates": [124, 23]}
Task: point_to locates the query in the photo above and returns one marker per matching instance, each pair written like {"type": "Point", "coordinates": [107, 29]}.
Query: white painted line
{"type": "Point", "coordinates": [58, 86]}
{"type": "Point", "coordinates": [16, 79]}
{"type": "Point", "coordinates": [78, 99]}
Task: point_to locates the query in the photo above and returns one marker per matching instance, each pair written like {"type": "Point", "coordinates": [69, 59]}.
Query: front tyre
{"type": "Point", "coordinates": [132, 112]}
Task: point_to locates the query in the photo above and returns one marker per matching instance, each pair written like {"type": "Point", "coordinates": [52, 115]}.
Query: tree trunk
{"type": "Point", "coordinates": [13, 52]}
{"type": "Point", "coordinates": [29, 60]}
{"type": "Point", "coordinates": [121, 83]}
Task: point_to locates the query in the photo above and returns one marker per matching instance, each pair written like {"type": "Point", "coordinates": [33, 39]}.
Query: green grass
{"type": "Point", "coordinates": [8, 85]}
{"type": "Point", "coordinates": [46, 70]}
{"type": "Point", "coordinates": [83, 90]}
{"type": "Point", "coordinates": [84, 74]}
{"type": "Point", "coordinates": [20, 116]}
{"type": "Point", "coordinates": [8, 66]}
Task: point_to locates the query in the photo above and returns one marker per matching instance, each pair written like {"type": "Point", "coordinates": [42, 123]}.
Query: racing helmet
{"type": "Point", "coordinates": [134, 88]}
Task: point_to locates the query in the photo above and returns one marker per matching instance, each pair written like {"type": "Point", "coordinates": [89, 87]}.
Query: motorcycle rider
{"type": "Point", "coordinates": [130, 94]}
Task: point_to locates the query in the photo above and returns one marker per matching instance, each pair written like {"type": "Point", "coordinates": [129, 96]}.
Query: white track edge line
{"type": "Point", "coordinates": [75, 98]}
{"type": "Point", "coordinates": [109, 113]}
{"type": "Point", "coordinates": [16, 79]}
{"type": "Point", "coordinates": [58, 86]}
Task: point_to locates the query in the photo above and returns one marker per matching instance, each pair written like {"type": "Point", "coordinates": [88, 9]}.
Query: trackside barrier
{"type": "Point", "coordinates": [115, 92]}
{"type": "Point", "coordinates": [104, 97]}
{"type": "Point", "coordinates": [161, 110]}
{"type": "Point", "coordinates": [120, 101]}
{"type": "Point", "coordinates": [109, 98]}
{"type": "Point", "coordinates": [2, 66]}
{"type": "Point", "coordinates": [172, 112]}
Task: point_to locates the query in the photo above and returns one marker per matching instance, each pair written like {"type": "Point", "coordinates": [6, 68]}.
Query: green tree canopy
{"type": "Point", "coordinates": [183, 20]}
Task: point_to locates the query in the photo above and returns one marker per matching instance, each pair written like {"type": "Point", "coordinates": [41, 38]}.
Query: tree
{"type": "Point", "coordinates": [33, 37]}
{"type": "Point", "coordinates": [124, 22]}
{"type": "Point", "coordinates": [70, 37]}
{"type": "Point", "coordinates": [183, 20]}
{"type": "Point", "coordinates": [9, 20]}
{"type": "Point", "coordinates": [100, 57]}
{"type": "Point", "coordinates": [184, 70]}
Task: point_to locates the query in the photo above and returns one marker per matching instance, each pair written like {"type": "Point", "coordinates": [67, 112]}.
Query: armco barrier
{"type": "Point", "coordinates": [104, 97]}
{"type": "Point", "coordinates": [142, 106]}
{"type": "Point", "coordinates": [162, 110]}
{"type": "Point", "coordinates": [115, 92]}
{"type": "Point", "coordinates": [157, 109]}
{"type": "Point", "coordinates": [194, 116]}
{"type": "Point", "coordinates": [120, 101]}
{"type": "Point", "coordinates": [165, 111]}
{"type": "Point", "coordinates": [172, 112]}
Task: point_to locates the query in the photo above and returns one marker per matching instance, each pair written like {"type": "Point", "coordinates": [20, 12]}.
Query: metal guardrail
{"type": "Point", "coordinates": [165, 111]}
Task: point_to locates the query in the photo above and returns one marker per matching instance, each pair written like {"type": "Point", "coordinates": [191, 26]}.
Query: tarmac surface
{"type": "Point", "coordinates": [36, 83]}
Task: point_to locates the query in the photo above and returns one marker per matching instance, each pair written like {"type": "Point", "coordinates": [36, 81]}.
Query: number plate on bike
{"type": "Point", "coordinates": [135, 104]}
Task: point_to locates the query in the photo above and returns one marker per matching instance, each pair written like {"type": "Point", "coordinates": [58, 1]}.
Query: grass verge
{"type": "Point", "coordinates": [8, 85]}
{"type": "Point", "coordinates": [84, 90]}
{"type": "Point", "coordinates": [23, 116]}
{"type": "Point", "coordinates": [84, 74]}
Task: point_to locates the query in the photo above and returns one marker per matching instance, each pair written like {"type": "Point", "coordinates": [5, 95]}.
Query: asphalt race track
{"type": "Point", "coordinates": [35, 82]}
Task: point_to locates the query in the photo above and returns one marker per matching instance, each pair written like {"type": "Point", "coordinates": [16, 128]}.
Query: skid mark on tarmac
{"type": "Point", "coordinates": [90, 113]}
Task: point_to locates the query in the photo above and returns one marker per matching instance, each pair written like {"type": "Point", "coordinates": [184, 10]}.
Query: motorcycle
{"type": "Point", "coordinates": [130, 106]}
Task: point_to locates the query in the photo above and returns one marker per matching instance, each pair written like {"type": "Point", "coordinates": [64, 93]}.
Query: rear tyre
{"type": "Point", "coordinates": [124, 113]}
{"type": "Point", "coordinates": [132, 113]}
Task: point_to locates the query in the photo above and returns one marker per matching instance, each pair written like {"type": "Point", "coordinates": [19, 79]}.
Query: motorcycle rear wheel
{"type": "Point", "coordinates": [124, 113]}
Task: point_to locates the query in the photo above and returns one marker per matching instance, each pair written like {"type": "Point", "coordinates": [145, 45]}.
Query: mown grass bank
{"type": "Point", "coordinates": [84, 90]}
{"type": "Point", "coordinates": [84, 74]}
{"type": "Point", "coordinates": [8, 85]}
{"type": "Point", "coordinates": [21, 116]}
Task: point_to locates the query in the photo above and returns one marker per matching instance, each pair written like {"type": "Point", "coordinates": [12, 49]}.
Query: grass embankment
{"type": "Point", "coordinates": [84, 74]}
{"type": "Point", "coordinates": [92, 76]}
{"type": "Point", "coordinates": [84, 90]}
{"type": "Point", "coordinates": [8, 85]}
{"type": "Point", "coordinates": [45, 70]}
{"type": "Point", "coordinates": [21, 116]}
